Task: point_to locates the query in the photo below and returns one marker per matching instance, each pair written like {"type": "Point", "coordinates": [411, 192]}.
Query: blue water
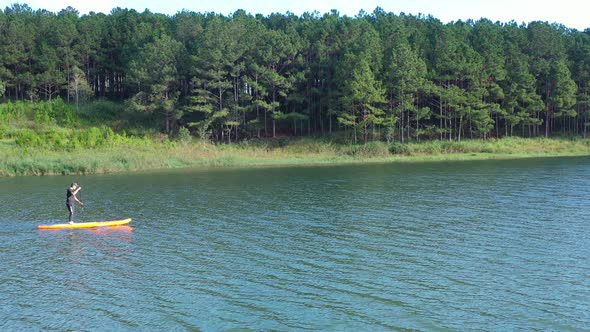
{"type": "Point", "coordinates": [490, 245]}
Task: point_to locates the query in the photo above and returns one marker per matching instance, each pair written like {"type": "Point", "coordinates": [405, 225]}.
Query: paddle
{"type": "Point", "coordinates": [80, 199]}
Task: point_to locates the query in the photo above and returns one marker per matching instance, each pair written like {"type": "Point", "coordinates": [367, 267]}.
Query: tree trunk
{"type": "Point", "coordinates": [450, 128]}
{"type": "Point", "coordinates": [417, 126]}
{"type": "Point", "coordinates": [365, 132]}
{"type": "Point", "coordinates": [440, 119]}
{"type": "Point", "coordinates": [506, 128]}
{"type": "Point", "coordinates": [258, 110]}
{"type": "Point", "coordinates": [460, 126]}
{"type": "Point", "coordinates": [409, 124]}
{"type": "Point", "coordinates": [258, 117]}
{"type": "Point", "coordinates": [401, 126]}
{"type": "Point", "coordinates": [547, 122]}
{"type": "Point", "coordinates": [497, 126]}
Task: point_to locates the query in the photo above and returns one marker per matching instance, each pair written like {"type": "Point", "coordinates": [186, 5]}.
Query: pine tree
{"type": "Point", "coordinates": [155, 74]}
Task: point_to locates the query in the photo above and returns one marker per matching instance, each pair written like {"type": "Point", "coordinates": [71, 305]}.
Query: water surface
{"type": "Point", "coordinates": [486, 245]}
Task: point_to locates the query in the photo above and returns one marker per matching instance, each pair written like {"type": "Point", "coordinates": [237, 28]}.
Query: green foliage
{"type": "Point", "coordinates": [243, 76]}
{"type": "Point", "coordinates": [399, 148]}
{"type": "Point", "coordinates": [56, 139]}
{"type": "Point", "coordinates": [136, 153]}
{"type": "Point", "coordinates": [184, 135]}
{"type": "Point", "coordinates": [282, 142]}
{"type": "Point", "coordinates": [60, 139]}
{"type": "Point", "coordinates": [102, 110]}
{"type": "Point", "coordinates": [311, 146]}
{"type": "Point", "coordinates": [369, 150]}
{"type": "Point", "coordinates": [28, 138]}
{"type": "Point", "coordinates": [362, 96]}
{"type": "Point", "coordinates": [4, 131]}
{"type": "Point", "coordinates": [78, 87]}
{"type": "Point", "coordinates": [156, 72]}
{"type": "Point", "coordinates": [90, 138]}
{"type": "Point", "coordinates": [47, 112]}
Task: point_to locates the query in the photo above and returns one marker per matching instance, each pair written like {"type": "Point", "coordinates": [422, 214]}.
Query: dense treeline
{"type": "Point", "coordinates": [378, 76]}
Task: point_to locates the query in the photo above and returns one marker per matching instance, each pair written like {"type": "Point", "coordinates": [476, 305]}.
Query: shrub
{"type": "Point", "coordinates": [42, 113]}
{"type": "Point", "coordinates": [399, 148]}
{"type": "Point", "coordinates": [12, 111]}
{"type": "Point", "coordinates": [53, 111]}
{"type": "Point", "coordinates": [254, 143]}
{"type": "Point", "coordinates": [27, 138]}
{"type": "Point", "coordinates": [371, 149]}
{"type": "Point", "coordinates": [101, 110]}
{"type": "Point", "coordinates": [282, 142]}
{"type": "Point", "coordinates": [57, 140]}
{"type": "Point", "coordinates": [4, 131]}
{"type": "Point", "coordinates": [97, 137]}
{"type": "Point", "coordinates": [62, 113]}
{"type": "Point", "coordinates": [184, 135]}
{"type": "Point", "coordinates": [307, 145]}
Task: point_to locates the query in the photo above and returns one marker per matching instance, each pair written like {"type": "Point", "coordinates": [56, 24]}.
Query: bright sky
{"type": "Point", "coordinates": [571, 13]}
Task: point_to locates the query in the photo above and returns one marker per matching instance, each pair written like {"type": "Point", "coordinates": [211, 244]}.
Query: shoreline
{"type": "Point", "coordinates": [306, 152]}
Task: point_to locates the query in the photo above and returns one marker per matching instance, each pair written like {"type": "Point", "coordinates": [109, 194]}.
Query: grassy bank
{"type": "Point", "coordinates": [105, 152]}
{"type": "Point", "coordinates": [52, 137]}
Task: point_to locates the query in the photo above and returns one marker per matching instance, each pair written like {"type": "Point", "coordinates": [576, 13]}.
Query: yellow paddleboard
{"type": "Point", "coordinates": [87, 224]}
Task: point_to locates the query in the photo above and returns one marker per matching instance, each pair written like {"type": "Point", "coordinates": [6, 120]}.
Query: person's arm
{"type": "Point", "coordinates": [76, 198]}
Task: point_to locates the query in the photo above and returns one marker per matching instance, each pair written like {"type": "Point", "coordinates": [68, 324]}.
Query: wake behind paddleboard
{"type": "Point", "coordinates": [87, 224]}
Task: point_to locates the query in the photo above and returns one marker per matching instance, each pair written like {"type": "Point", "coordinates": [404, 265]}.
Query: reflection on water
{"type": "Point", "coordinates": [441, 246]}
{"type": "Point", "coordinates": [113, 241]}
{"type": "Point", "coordinates": [122, 232]}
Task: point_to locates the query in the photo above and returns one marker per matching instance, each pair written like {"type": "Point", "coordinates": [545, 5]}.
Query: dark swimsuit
{"type": "Point", "coordinates": [70, 202]}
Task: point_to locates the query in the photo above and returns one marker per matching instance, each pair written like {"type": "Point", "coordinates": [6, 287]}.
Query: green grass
{"type": "Point", "coordinates": [51, 137]}
{"type": "Point", "coordinates": [518, 147]}
{"type": "Point", "coordinates": [134, 154]}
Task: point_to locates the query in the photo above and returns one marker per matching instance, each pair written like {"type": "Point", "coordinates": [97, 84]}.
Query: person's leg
{"type": "Point", "coordinates": [71, 211]}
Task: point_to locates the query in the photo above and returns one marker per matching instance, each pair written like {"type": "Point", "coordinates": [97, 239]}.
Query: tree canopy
{"type": "Point", "coordinates": [380, 75]}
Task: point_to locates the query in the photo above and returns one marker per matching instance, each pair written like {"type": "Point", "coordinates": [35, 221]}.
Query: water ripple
{"type": "Point", "coordinates": [459, 246]}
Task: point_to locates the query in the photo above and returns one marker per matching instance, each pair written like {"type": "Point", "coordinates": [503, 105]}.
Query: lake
{"type": "Point", "coordinates": [478, 245]}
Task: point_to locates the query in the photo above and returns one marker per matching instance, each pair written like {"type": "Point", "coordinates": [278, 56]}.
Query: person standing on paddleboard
{"type": "Point", "coordinates": [71, 198]}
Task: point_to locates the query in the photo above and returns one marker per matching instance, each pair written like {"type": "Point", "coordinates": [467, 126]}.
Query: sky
{"type": "Point", "coordinates": [571, 13]}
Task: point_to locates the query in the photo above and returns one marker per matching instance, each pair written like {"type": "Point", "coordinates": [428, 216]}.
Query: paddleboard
{"type": "Point", "coordinates": [87, 224]}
